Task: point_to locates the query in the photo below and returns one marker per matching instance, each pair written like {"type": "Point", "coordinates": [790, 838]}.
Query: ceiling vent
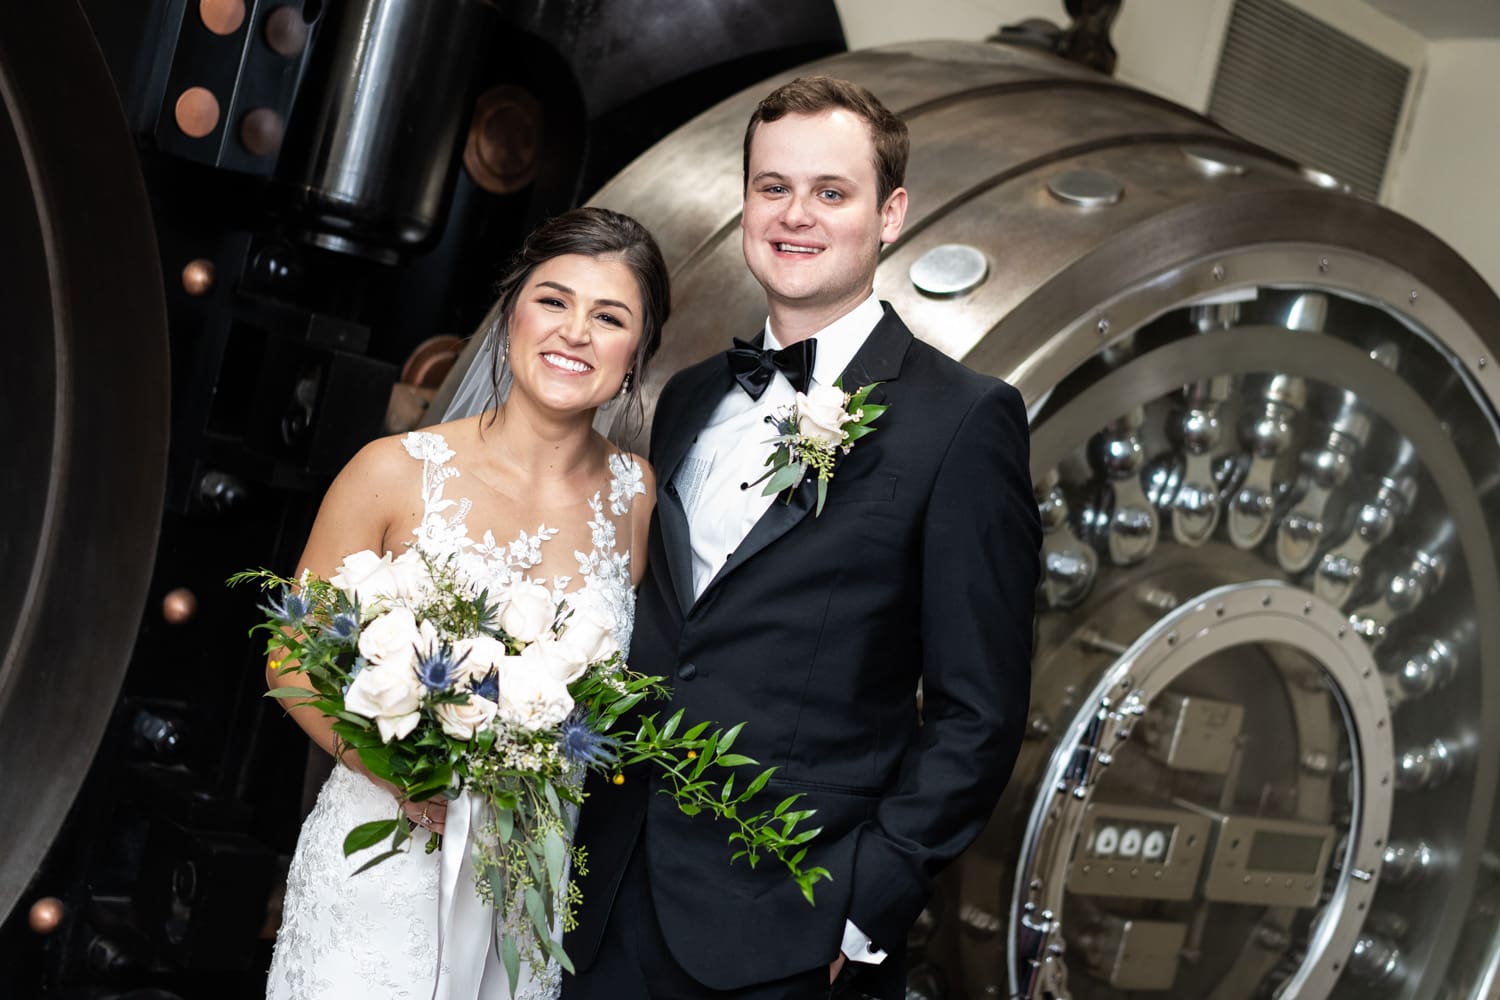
{"type": "Point", "coordinates": [1301, 87]}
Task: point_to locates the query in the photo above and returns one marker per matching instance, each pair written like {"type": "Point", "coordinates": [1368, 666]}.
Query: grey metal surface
{"type": "Point", "coordinates": [950, 269]}
{"type": "Point", "coordinates": [85, 413]}
{"type": "Point", "coordinates": [1236, 373]}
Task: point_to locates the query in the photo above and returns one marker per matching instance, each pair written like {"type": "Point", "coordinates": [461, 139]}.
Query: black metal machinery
{"type": "Point", "coordinates": [227, 223]}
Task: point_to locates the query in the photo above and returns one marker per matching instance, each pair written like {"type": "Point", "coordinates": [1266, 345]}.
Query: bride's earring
{"type": "Point", "coordinates": [505, 350]}
{"type": "Point", "coordinates": [625, 385]}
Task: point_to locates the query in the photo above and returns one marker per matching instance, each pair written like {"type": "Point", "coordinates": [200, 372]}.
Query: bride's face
{"type": "Point", "coordinates": [574, 332]}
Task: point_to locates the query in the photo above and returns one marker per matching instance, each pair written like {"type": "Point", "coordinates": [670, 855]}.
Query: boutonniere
{"type": "Point", "coordinates": [811, 432]}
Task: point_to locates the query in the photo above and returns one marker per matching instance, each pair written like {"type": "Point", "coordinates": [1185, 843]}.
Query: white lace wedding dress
{"type": "Point", "coordinates": [379, 934]}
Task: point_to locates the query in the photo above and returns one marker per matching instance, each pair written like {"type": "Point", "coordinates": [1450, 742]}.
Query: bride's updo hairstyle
{"type": "Point", "coordinates": [597, 233]}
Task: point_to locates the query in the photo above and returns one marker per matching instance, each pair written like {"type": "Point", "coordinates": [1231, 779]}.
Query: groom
{"type": "Point", "coordinates": [816, 629]}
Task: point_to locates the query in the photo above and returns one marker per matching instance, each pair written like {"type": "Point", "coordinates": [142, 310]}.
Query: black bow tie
{"type": "Point", "coordinates": [754, 368]}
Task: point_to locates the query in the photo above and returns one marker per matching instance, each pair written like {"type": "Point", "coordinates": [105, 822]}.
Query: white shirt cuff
{"type": "Point", "coordinates": [858, 947]}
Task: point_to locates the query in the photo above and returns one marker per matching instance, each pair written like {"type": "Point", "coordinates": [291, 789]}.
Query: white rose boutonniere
{"type": "Point", "coordinates": [821, 415]}
{"type": "Point", "coordinates": [810, 434]}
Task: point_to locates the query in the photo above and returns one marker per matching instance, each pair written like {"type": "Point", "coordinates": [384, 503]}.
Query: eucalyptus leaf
{"type": "Point", "coordinates": [512, 959]}
{"type": "Point", "coordinates": [783, 478]}
{"type": "Point", "coordinates": [557, 853]}
{"type": "Point", "coordinates": [555, 949]}
{"type": "Point", "coordinates": [537, 910]}
{"type": "Point", "coordinates": [505, 819]}
{"type": "Point", "coordinates": [552, 802]}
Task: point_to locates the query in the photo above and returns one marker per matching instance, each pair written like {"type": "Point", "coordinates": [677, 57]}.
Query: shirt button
{"type": "Point", "coordinates": [687, 671]}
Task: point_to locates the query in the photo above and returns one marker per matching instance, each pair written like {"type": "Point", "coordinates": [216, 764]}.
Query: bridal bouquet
{"type": "Point", "coordinates": [442, 684]}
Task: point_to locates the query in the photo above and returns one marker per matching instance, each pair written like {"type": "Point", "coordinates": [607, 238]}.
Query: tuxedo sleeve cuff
{"type": "Point", "coordinates": [858, 947]}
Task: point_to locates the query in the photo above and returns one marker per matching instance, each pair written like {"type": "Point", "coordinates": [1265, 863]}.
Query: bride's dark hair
{"type": "Point", "coordinates": [591, 232]}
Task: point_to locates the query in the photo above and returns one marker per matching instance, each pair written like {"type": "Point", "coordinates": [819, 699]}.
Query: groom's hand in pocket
{"type": "Point", "coordinates": [836, 966]}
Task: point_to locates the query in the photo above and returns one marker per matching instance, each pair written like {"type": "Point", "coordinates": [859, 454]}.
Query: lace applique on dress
{"type": "Point", "coordinates": [625, 482]}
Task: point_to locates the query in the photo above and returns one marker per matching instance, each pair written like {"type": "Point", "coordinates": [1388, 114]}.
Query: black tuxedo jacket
{"type": "Point", "coordinates": [816, 632]}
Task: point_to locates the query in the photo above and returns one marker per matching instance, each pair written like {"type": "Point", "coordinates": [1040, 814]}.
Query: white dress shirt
{"type": "Point", "coordinates": [731, 449]}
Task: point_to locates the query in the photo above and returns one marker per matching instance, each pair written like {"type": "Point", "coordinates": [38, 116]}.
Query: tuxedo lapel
{"type": "Point", "coordinates": [701, 394]}
{"type": "Point", "coordinates": [877, 360]}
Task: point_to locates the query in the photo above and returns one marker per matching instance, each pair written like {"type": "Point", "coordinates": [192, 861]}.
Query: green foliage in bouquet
{"type": "Point", "coordinates": [441, 686]}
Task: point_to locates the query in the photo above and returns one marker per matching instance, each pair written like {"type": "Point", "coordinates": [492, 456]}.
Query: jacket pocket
{"type": "Point", "coordinates": [798, 785]}
{"type": "Point", "coordinates": [874, 486]}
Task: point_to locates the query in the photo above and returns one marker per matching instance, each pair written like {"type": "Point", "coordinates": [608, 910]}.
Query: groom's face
{"type": "Point", "coordinates": [812, 222]}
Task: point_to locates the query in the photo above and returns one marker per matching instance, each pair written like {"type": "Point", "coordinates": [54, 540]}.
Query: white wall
{"type": "Point", "coordinates": [1448, 175]}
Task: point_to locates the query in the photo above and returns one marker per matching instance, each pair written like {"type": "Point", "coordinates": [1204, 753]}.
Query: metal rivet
{"type": "Point", "coordinates": [1171, 638]}
{"type": "Point", "coordinates": [949, 269]}
{"type": "Point", "coordinates": [1323, 264]}
{"type": "Point", "coordinates": [1307, 608]}
{"type": "Point", "coordinates": [1216, 162]}
{"type": "Point", "coordinates": [1265, 602]}
{"type": "Point", "coordinates": [1413, 296]}
{"type": "Point", "coordinates": [1102, 326]}
{"type": "Point", "coordinates": [1218, 272]}
{"type": "Point", "coordinates": [1086, 188]}
{"type": "Point", "coordinates": [1483, 362]}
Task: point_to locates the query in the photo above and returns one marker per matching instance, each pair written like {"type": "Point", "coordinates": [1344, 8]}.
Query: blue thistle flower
{"type": "Point", "coordinates": [359, 664]}
{"type": "Point", "coordinates": [585, 746]}
{"type": "Point", "coordinates": [489, 687]}
{"type": "Point", "coordinates": [290, 610]}
{"type": "Point", "coordinates": [344, 627]}
{"type": "Point", "coordinates": [437, 667]}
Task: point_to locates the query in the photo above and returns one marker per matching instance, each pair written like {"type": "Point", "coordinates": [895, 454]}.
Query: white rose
{"type": "Point", "coordinates": [820, 414]}
{"type": "Point", "coordinates": [462, 721]}
{"type": "Point", "coordinates": [559, 660]}
{"type": "Point", "coordinates": [389, 694]}
{"type": "Point", "coordinates": [393, 638]}
{"type": "Point", "coordinates": [481, 654]}
{"type": "Point", "coordinates": [413, 581]}
{"type": "Point", "coordinates": [589, 629]}
{"type": "Point", "coordinates": [366, 577]}
{"type": "Point", "coordinates": [532, 699]}
{"type": "Point", "coordinates": [529, 613]}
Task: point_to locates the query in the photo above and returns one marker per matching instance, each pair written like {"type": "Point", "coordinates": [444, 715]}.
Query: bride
{"type": "Point", "coordinates": [530, 484]}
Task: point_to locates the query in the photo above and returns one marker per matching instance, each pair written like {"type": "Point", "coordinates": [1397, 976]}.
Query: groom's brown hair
{"type": "Point", "coordinates": [812, 95]}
